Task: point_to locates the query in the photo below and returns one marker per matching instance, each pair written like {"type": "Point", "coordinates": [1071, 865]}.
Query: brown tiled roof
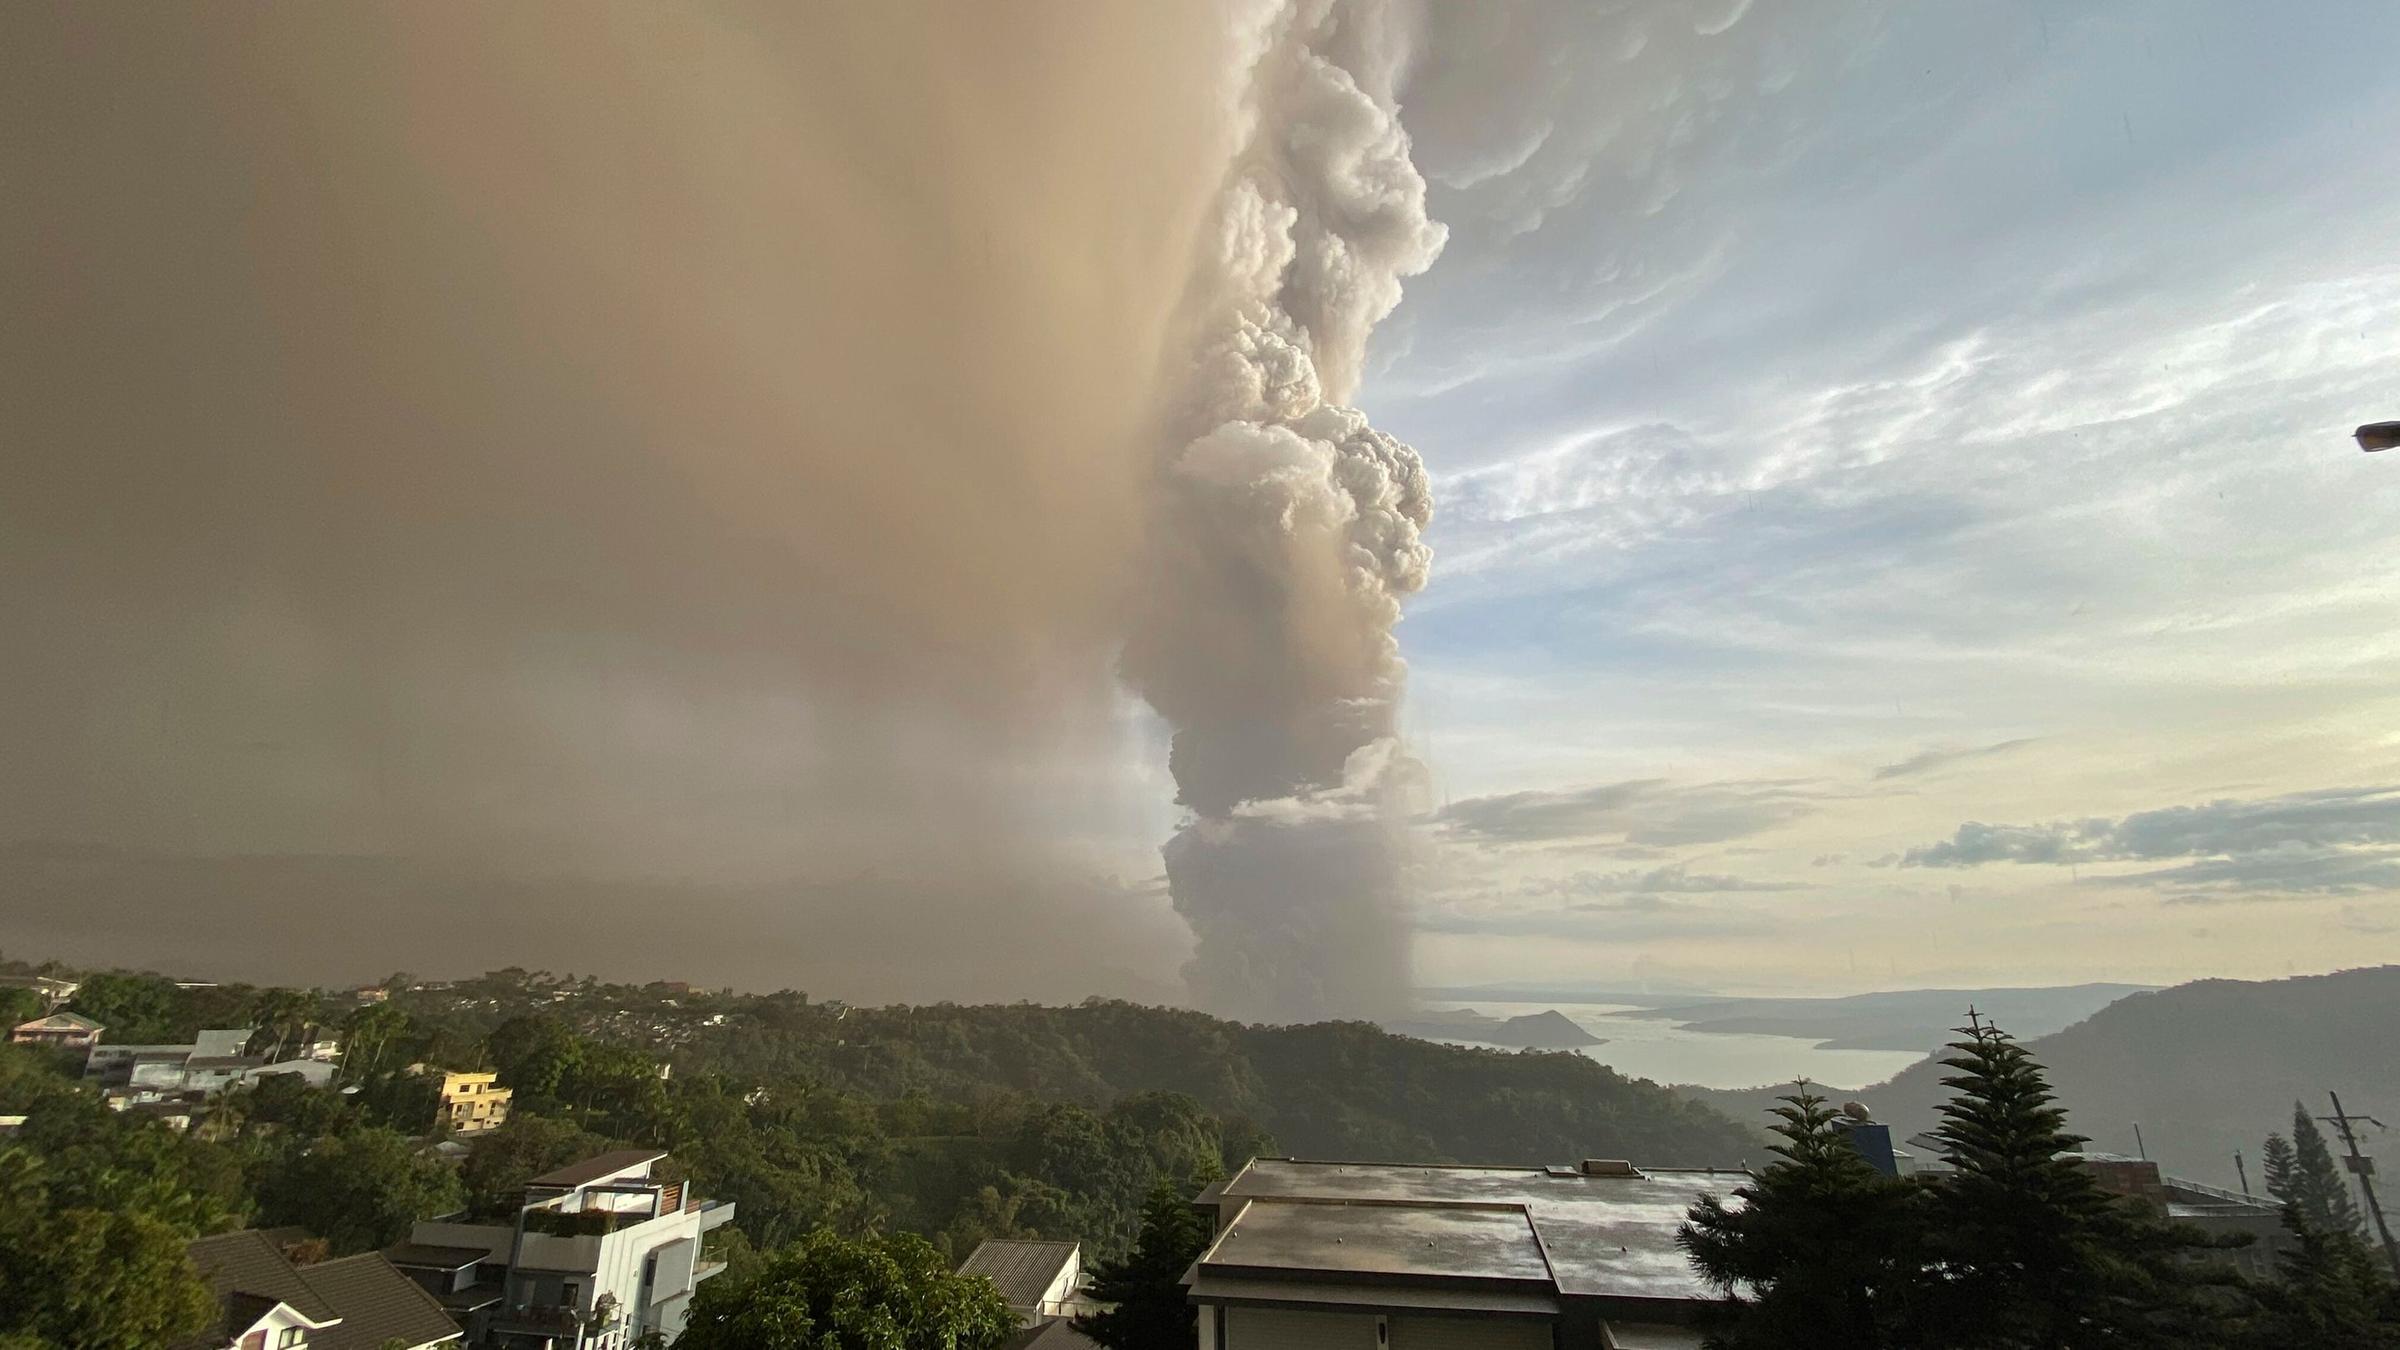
{"type": "Point", "coordinates": [366, 1297]}
{"type": "Point", "coordinates": [250, 1262]}
{"type": "Point", "coordinates": [377, 1305]}
{"type": "Point", "coordinates": [1023, 1270]}
{"type": "Point", "coordinates": [592, 1169]}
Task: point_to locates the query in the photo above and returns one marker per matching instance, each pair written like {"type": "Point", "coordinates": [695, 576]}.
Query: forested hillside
{"type": "Point", "coordinates": [1336, 1089]}
{"type": "Point", "coordinates": [2204, 1068]}
{"type": "Point", "coordinates": [959, 1123]}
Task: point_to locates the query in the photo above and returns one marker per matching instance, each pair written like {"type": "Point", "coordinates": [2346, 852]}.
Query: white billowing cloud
{"type": "Point", "coordinates": [1287, 533]}
{"type": "Point", "coordinates": [1813, 406]}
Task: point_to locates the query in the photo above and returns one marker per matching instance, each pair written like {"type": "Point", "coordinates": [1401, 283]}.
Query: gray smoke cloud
{"type": "Point", "coordinates": [676, 490]}
{"type": "Point", "coordinates": [633, 489]}
{"type": "Point", "coordinates": [1286, 534]}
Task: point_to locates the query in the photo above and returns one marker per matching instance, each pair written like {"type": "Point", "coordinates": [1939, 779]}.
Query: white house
{"type": "Point", "coordinates": [602, 1251]}
{"type": "Point", "coordinates": [1042, 1281]}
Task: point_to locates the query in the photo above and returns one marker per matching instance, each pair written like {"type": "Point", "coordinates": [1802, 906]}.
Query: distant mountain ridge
{"type": "Point", "coordinates": [1905, 1019]}
{"type": "Point", "coordinates": [2205, 1068]}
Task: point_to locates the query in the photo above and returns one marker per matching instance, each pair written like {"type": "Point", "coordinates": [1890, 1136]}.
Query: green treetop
{"type": "Point", "coordinates": [2317, 1186]}
{"type": "Point", "coordinates": [825, 1292]}
{"type": "Point", "coordinates": [1821, 1250]}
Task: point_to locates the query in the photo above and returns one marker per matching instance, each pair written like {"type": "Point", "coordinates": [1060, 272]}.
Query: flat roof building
{"type": "Point", "coordinates": [1383, 1256]}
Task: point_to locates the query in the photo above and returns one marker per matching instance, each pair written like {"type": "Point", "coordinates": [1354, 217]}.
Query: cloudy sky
{"type": "Point", "coordinates": [1897, 519]}
{"type": "Point", "coordinates": [480, 484]}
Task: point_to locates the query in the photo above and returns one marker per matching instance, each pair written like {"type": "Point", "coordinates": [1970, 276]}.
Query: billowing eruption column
{"type": "Point", "coordinates": [1287, 534]}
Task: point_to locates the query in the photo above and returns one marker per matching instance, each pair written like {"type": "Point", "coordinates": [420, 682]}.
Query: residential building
{"type": "Point", "coordinates": [473, 1102]}
{"type": "Point", "coordinates": [53, 989]}
{"type": "Point", "coordinates": [63, 1030]}
{"type": "Point", "coordinates": [1378, 1256]}
{"type": "Point", "coordinates": [147, 1075]}
{"type": "Point", "coordinates": [600, 1252]}
{"type": "Point", "coordinates": [369, 993]}
{"type": "Point", "coordinates": [266, 1302]}
{"type": "Point", "coordinates": [1042, 1281]}
{"type": "Point", "coordinates": [2212, 1210]}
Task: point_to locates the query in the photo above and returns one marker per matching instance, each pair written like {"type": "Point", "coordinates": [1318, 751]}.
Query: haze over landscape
{"type": "Point", "coordinates": [1883, 520]}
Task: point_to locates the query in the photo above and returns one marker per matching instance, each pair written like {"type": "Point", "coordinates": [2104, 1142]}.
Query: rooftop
{"type": "Point", "coordinates": [599, 1168]}
{"type": "Point", "coordinates": [1598, 1235]}
{"type": "Point", "coordinates": [365, 1299]}
{"type": "Point", "coordinates": [1023, 1270]}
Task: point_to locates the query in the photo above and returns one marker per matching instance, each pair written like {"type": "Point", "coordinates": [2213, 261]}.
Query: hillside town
{"type": "Point", "coordinates": [426, 1162]}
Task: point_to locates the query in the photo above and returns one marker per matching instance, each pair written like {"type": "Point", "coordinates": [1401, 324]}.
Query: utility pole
{"type": "Point", "coordinates": [2138, 1146]}
{"type": "Point", "coordinates": [2363, 1167]}
{"type": "Point", "coordinates": [2242, 1172]}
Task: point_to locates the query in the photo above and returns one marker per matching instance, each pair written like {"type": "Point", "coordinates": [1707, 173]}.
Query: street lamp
{"type": "Point", "coordinates": [2378, 435]}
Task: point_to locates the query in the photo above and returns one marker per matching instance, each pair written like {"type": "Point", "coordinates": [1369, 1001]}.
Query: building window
{"type": "Point", "coordinates": [290, 1338]}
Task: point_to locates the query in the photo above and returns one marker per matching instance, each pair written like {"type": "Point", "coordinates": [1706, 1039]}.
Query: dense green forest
{"type": "Point", "coordinates": [956, 1123]}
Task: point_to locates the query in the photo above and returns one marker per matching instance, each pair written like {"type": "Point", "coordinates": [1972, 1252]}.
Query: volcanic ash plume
{"type": "Point", "coordinates": [1287, 534]}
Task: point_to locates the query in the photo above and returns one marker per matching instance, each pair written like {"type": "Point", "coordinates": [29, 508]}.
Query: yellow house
{"type": "Point", "coordinates": [473, 1102]}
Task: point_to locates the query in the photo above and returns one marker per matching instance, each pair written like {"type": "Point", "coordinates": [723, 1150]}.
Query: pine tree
{"type": "Point", "coordinates": [2331, 1295]}
{"type": "Point", "coordinates": [1823, 1249]}
{"type": "Point", "coordinates": [2318, 1187]}
{"type": "Point", "coordinates": [2032, 1252]}
{"type": "Point", "coordinates": [2278, 1155]}
{"type": "Point", "coordinates": [1151, 1312]}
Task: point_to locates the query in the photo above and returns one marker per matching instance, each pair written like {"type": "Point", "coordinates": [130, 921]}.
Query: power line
{"type": "Point", "coordinates": [2363, 1167]}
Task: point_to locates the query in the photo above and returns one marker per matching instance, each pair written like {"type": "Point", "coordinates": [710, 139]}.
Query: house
{"type": "Point", "coordinates": [1042, 1281]}
{"type": "Point", "coordinates": [145, 1075]}
{"type": "Point", "coordinates": [112, 1065]}
{"type": "Point", "coordinates": [369, 993]}
{"type": "Point", "coordinates": [64, 1030]}
{"type": "Point", "coordinates": [53, 989]}
{"type": "Point", "coordinates": [473, 1102]}
{"type": "Point", "coordinates": [600, 1253]}
{"type": "Point", "coordinates": [266, 1302]}
{"type": "Point", "coordinates": [2213, 1210]}
{"type": "Point", "coordinates": [1380, 1256]}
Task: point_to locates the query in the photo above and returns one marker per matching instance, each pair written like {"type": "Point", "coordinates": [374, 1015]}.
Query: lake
{"type": "Point", "coordinates": [1668, 1053]}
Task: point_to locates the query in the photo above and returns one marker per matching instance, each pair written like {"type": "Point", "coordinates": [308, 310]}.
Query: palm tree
{"type": "Point", "coordinates": [285, 1014]}
{"type": "Point", "coordinates": [370, 1032]}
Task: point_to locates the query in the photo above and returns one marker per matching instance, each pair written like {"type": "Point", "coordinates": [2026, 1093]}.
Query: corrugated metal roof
{"type": "Point", "coordinates": [1023, 1270]}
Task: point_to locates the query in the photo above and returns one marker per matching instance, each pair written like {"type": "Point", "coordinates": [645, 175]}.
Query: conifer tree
{"type": "Point", "coordinates": [1150, 1311]}
{"type": "Point", "coordinates": [1822, 1250]}
{"type": "Point", "coordinates": [2331, 1294]}
{"type": "Point", "coordinates": [2032, 1252]}
{"type": "Point", "coordinates": [2318, 1186]}
{"type": "Point", "coordinates": [2278, 1156]}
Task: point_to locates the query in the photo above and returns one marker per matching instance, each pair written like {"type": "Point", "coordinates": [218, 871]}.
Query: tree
{"type": "Point", "coordinates": [2316, 1182]}
{"type": "Point", "coordinates": [359, 1191]}
{"type": "Point", "coordinates": [1822, 1250]}
{"type": "Point", "coordinates": [135, 1009]}
{"type": "Point", "coordinates": [1150, 1311]}
{"type": "Point", "coordinates": [368, 1036]}
{"type": "Point", "coordinates": [826, 1292]}
{"type": "Point", "coordinates": [2031, 1251]}
{"type": "Point", "coordinates": [498, 1164]}
{"type": "Point", "coordinates": [89, 1279]}
{"type": "Point", "coordinates": [21, 1005]}
{"type": "Point", "coordinates": [2331, 1294]}
{"type": "Point", "coordinates": [282, 1017]}
{"type": "Point", "coordinates": [2279, 1168]}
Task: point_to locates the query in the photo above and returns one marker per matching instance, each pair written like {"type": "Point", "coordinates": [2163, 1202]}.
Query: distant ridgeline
{"type": "Point", "coordinates": [2204, 1068]}
{"type": "Point", "coordinates": [1326, 1090]}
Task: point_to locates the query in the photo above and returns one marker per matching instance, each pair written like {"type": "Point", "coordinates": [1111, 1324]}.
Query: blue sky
{"type": "Point", "coordinates": [1858, 425]}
